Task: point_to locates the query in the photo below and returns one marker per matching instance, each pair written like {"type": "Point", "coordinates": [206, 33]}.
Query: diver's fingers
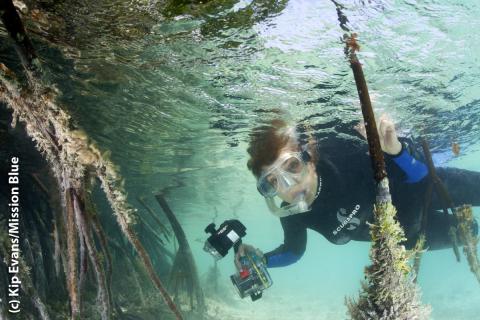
{"type": "Point", "coordinates": [386, 123]}
{"type": "Point", "coordinates": [248, 248]}
{"type": "Point", "coordinates": [385, 117]}
{"type": "Point", "coordinates": [238, 265]}
{"type": "Point", "coordinates": [390, 133]}
{"type": "Point", "coordinates": [381, 136]}
{"type": "Point", "coordinates": [360, 128]}
{"type": "Point", "coordinates": [381, 127]}
{"type": "Point", "coordinates": [241, 250]}
{"type": "Point", "coordinates": [239, 254]}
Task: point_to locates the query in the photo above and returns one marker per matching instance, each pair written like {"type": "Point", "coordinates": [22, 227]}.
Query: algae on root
{"type": "Point", "coordinates": [388, 292]}
{"type": "Point", "coordinates": [465, 221]}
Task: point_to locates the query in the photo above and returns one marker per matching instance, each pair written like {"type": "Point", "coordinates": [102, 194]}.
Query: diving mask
{"type": "Point", "coordinates": [286, 172]}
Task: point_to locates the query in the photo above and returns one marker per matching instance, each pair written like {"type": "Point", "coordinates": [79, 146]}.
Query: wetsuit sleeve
{"type": "Point", "coordinates": [408, 161]}
{"type": "Point", "coordinates": [293, 247]}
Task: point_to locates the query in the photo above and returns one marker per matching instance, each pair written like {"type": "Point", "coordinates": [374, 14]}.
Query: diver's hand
{"type": "Point", "coordinates": [388, 136]}
{"type": "Point", "coordinates": [386, 133]}
{"type": "Point", "coordinates": [242, 250]}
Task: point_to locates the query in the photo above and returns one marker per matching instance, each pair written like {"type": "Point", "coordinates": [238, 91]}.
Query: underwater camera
{"type": "Point", "coordinates": [253, 277]}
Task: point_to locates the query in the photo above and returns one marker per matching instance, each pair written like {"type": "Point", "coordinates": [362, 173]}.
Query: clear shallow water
{"type": "Point", "coordinates": [174, 93]}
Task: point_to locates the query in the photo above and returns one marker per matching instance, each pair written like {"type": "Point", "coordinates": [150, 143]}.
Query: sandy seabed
{"type": "Point", "coordinates": [285, 308]}
{"type": "Point", "coordinates": [272, 308]}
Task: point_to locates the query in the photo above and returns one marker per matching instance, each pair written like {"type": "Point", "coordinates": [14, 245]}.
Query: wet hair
{"type": "Point", "coordinates": [266, 142]}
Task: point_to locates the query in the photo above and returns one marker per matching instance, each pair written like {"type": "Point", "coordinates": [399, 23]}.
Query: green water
{"type": "Point", "coordinates": [173, 91]}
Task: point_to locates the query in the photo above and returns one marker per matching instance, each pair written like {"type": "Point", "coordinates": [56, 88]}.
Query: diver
{"type": "Point", "coordinates": [326, 184]}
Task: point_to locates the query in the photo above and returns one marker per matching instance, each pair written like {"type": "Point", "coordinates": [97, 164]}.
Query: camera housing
{"type": "Point", "coordinates": [229, 234]}
{"type": "Point", "coordinates": [253, 277]}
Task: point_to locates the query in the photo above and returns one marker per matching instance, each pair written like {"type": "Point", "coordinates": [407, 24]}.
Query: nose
{"type": "Point", "coordinates": [289, 190]}
{"type": "Point", "coordinates": [286, 183]}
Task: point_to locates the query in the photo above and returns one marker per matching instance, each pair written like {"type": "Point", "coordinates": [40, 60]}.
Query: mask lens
{"type": "Point", "coordinates": [272, 180]}
{"type": "Point", "coordinates": [284, 175]}
{"type": "Point", "coordinates": [292, 165]}
{"type": "Point", "coordinates": [267, 186]}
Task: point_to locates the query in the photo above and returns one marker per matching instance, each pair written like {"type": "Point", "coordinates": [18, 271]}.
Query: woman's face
{"type": "Point", "coordinates": [301, 178]}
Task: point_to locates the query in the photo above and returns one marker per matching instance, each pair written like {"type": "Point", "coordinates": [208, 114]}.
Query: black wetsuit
{"type": "Point", "coordinates": [345, 202]}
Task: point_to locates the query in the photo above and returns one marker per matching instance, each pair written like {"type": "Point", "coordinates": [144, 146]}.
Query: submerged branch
{"type": "Point", "coordinates": [71, 155]}
{"type": "Point", "coordinates": [97, 228]}
{"type": "Point", "coordinates": [439, 186]}
{"type": "Point", "coordinates": [72, 282]}
{"type": "Point", "coordinates": [465, 220]}
{"type": "Point", "coordinates": [102, 295]}
{"type": "Point", "coordinates": [12, 22]}
{"type": "Point", "coordinates": [388, 292]}
{"type": "Point", "coordinates": [184, 262]}
{"type": "Point", "coordinates": [154, 216]}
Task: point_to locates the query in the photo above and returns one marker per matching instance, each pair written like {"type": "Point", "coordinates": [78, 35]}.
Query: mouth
{"type": "Point", "coordinates": [298, 195]}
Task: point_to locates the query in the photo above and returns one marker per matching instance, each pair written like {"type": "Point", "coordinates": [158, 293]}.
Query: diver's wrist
{"type": "Point", "coordinates": [401, 148]}
{"type": "Point", "coordinates": [396, 150]}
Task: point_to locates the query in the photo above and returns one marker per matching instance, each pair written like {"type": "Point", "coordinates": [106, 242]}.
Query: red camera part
{"type": "Point", "coordinates": [244, 273]}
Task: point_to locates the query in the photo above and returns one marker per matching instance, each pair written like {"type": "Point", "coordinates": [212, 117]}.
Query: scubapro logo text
{"type": "Point", "coordinates": [350, 222]}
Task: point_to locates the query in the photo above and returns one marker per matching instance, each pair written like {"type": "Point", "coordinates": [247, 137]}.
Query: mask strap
{"type": "Point", "coordinates": [305, 155]}
{"type": "Point", "coordinates": [304, 143]}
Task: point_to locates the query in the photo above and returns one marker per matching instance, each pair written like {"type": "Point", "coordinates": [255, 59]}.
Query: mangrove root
{"type": "Point", "coordinates": [417, 254]}
{"type": "Point", "coordinates": [184, 270]}
{"type": "Point", "coordinates": [464, 216]}
{"type": "Point", "coordinates": [72, 158]}
{"type": "Point", "coordinates": [388, 293]}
